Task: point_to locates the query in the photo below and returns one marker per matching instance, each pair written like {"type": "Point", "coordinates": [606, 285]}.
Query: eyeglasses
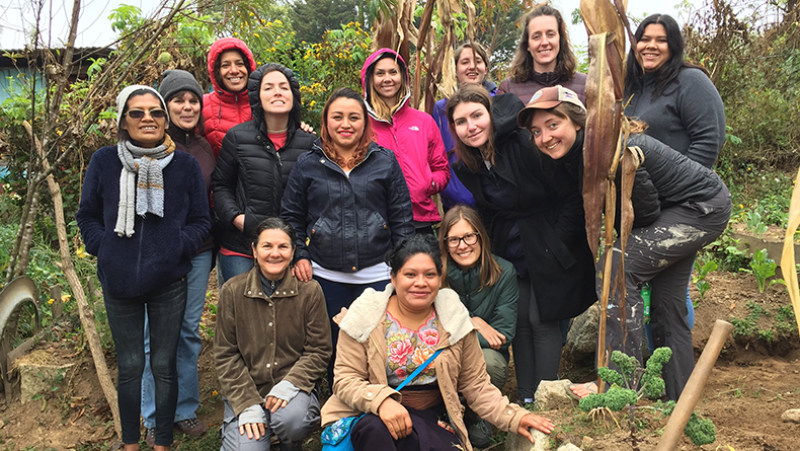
{"type": "Point", "coordinates": [155, 113]}
{"type": "Point", "coordinates": [468, 239]}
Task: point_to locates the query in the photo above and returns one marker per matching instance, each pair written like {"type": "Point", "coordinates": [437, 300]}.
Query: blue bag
{"type": "Point", "coordinates": [336, 437]}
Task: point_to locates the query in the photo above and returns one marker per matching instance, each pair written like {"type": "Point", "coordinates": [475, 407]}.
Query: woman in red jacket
{"type": "Point", "coordinates": [411, 134]}
{"type": "Point", "coordinates": [230, 62]}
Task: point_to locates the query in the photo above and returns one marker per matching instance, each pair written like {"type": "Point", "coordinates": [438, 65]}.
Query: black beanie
{"type": "Point", "coordinates": [175, 81]}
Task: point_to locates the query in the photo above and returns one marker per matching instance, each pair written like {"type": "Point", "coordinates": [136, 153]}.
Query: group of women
{"type": "Point", "coordinates": [307, 228]}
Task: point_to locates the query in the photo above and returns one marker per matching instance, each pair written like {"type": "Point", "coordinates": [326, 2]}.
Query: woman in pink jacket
{"type": "Point", "coordinates": [230, 62]}
{"type": "Point", "coordinates": [411, 134]}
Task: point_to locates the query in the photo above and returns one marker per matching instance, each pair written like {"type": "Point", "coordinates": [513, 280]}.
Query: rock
{"type": "Point", "coordinates": [554, 395]}
{"type": "Point", "coordinates": [515, 442]}
{"type": "Point", "coordinates": [792, 415]}
{"type": "Point", "coordinates": [568, 447]}
{"type": "Point", "coordinates": [587, 443]}
{"type": "Point", "coordinates": [40, 378]}
{"type": "Point", "coordinates": [582, 337]}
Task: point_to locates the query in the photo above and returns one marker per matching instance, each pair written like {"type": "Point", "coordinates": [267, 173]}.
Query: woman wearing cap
{"type": "Point", "coordinates": [411, 134]}
{"type": "Point", "coordinates": [255, 163]}
{"type": "Point", "coordinates": [664, 91]}
{"type": "Point", "coordinates": [472, 66]}
{"type": "Point", "coordinates": [687, 208]}
{"type": "Point", "coordinates": [184, 101]}
{"type": "Point", "coordinates": [543, 57]}
{"type": "Point", "coordinates": [144, 214]}
{"type": "Point", "coordinates": [230, 62]}
{"type": "Point", "coordinates": [538, 229]}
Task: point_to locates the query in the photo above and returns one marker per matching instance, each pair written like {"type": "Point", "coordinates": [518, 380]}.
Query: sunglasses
{"type": "Point", "coordinates": [155, 113]}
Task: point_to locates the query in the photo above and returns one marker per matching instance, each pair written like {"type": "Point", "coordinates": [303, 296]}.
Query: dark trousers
{"type": "Point", "coordinates": [371, 434]}
{"type": "Point", "coordinates": [537, 344]}
{"type": "Point", "coordinates": [164, 309]}
{"type": "Point", "coordinates": [338, 295]}
{"type": "Point", "coordinates": [663, 254]}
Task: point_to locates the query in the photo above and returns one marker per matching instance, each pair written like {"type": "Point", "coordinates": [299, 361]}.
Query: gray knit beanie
{"type": "Point", "coordinates": [175, 81]}
{"type": "Point", "coordinates": [122, 99]}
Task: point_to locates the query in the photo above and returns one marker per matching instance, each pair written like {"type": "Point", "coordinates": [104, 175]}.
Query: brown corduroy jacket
{"type": "Point", "coordinates": [261, 340]}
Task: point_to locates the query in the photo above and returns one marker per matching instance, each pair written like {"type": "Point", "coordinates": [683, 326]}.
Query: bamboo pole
{"type": "Point", "coordinates": [694, 387]}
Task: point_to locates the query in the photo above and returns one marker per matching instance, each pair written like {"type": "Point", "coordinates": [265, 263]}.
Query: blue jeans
{"type": "Point", "coordinates": [164, 307]}
{"type": "Point", "coordinates": [189, 347]}
{"type": "Point", "coordinates": [338, 295]}
{"type": "Point", "coordinates": [231, 266]}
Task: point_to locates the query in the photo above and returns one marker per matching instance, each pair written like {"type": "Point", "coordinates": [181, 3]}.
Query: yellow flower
{"type": "Point", "coordinates": [235, 34]}
{"type": "Point", "coordinates": [256, 34]}
{"type": "Point", "coordinates": [741, 206]}
{"type": "Point", "coordinates": [81, 252]}
{"type": "Point", "coordinates": [51, 300]}
{"type": "Point", "coordinates": [278, 22]}
{"type": "Point", "coordinates": [214, 393]}
{"type": "Point", "coordinates": [65, 298]}
{"type": "Point", "coordinates": [311, 105]}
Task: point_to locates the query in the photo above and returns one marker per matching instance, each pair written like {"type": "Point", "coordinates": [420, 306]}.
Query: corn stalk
{"type": "Point", "coordinates": [604, 146]}
{"type": "Point", "coordinates": [787, 259]}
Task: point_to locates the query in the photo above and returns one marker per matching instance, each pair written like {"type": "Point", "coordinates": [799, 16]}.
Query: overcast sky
{"type": "Point", "coordinates": [17, 19]}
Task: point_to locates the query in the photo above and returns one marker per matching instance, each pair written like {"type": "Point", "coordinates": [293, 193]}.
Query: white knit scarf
{"type": "Point", "coordinates": [141, 182]}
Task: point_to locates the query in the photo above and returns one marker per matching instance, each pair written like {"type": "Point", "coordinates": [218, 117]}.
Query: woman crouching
{"type": "Point", "coordinates": [272, 345]}
{"type": "Point", "coordinates": [386, 335]}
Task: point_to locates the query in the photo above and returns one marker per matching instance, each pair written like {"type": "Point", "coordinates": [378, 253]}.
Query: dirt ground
{"type": "Point", "coordinates": [754, 381]}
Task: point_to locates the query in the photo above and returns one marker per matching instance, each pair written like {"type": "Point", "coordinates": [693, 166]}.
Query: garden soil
{"type": "Point", "coordinates": [754, 381]}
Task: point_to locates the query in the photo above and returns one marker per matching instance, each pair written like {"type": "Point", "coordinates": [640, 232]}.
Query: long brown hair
{"type": "Point", "coordinates": [381, 108]}
{"type": "Point", "coordinates": [477, 50]}
{"type": "Point", "coordinates": [490, 269]}
{"type": "Point", "coordinates": [366, 137]}
{"type": "Point", "coordinates": [566, 63]}
{"type": "Point", "coordinates": [471, 156]}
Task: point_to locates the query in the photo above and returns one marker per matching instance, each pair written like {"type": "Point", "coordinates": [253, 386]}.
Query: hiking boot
{"type": "Point", "coordinates": [150, 438]}
{"type": "Point", "coordinates": [479, 430]}
{"type": "Point", "coordinates": [191, 427]}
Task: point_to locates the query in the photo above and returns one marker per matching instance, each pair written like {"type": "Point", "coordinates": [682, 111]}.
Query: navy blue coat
{"type": "Point", "coordinates": [161, 249]}
{"type": "Point", "coordinates": [351, 221]}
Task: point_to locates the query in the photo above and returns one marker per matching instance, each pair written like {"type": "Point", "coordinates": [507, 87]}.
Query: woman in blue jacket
{"type": "Point", "coordinates": [349, 203]}
{"type": "Point", "coordinates": [144, 214]}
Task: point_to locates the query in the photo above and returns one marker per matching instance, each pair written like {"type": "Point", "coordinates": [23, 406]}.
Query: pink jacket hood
{"type": "Point", "coordinates": [218, 48]}
{"type": "Point", "coordinates": [366, 71]}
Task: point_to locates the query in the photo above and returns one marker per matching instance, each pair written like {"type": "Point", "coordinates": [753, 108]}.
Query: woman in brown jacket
{"type": "Point", "coordinates": [271, 346]}
{"type": "Point", "coordinates": [386, 335]}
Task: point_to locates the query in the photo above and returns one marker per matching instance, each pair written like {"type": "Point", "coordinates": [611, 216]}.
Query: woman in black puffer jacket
{"type": "Point", "coordinates": [255, 161]}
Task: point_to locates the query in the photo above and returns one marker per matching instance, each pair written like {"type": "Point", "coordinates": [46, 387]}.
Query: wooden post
{"type": "Point", "coordinates": [694, 387]}
{"type": "Point", "coordinates": [57, 307]}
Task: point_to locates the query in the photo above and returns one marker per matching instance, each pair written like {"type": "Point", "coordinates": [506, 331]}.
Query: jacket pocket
{"type": "Point", "coordinates": [378, 233]}
{"type": "Point", "coordinates": [320, 235]}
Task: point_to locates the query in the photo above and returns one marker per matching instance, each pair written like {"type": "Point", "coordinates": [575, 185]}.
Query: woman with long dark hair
{"type": "Point", "coordinates": [349, 203]}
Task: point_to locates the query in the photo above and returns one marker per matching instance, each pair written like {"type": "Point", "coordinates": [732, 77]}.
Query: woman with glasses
{"type": "Point", "coordinates": [487, 286]}
{"type": "Point", "coordinates": [144, 214]}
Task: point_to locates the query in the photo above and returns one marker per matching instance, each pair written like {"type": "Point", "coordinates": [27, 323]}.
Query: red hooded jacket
{"type": "Point", "coordinates": [223, 109]}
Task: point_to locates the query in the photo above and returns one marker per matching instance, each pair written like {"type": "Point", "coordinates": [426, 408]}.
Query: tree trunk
{"type": "Point", "coordinates": [85, 312]}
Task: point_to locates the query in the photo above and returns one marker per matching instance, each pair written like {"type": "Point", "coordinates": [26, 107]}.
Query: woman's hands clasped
{"type": "Point", "coordinates": [395, 417]}
{"type": "Point", "coordinates": [495, 339]}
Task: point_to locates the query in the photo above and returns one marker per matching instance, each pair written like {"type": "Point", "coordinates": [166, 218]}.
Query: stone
{"type": "Point", "coordinates": [587, 443]}
{"type": "Point", "coordinates": [582, 337]}
{"type": "Point", "coordinates": [791, 415]}
{"type": "Point", "coordinates": [515, 442]}
{"type": "Point", "coordinates": [40, 378]}
{"type": "Point", "coordinates": [568, 447]}
{"type": "Point", "coordinates": [554, 395]}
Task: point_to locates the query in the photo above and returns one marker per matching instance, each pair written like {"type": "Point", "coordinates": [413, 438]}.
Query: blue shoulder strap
{"type": "Point", "coordinates": [419, 369]}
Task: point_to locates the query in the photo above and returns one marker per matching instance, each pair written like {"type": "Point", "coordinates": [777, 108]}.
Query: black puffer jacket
{"type": "Point", "coordinates": [251, 175]}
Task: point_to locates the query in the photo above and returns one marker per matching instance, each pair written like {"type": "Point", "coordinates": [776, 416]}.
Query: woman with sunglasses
{"type": "Point", "coordinates": [144, 214]}
{"type": "Point", "coordinates": [487, 286]}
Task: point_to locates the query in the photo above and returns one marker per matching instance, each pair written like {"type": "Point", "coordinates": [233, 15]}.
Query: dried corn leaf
{"type": "Point", "coordinates": [787, 260]}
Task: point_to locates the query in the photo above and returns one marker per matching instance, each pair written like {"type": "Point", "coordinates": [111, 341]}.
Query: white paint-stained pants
{"type": "Point", "coordinates": [663, 254]}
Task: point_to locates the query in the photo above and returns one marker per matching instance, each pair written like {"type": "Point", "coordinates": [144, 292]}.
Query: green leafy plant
{"type": "Point", "coordinates": [700, 278]}
{"type": "Point", "coordinates": [754, 222]}
{"type": "Point", "coordinates": [762, 268]}
{"type": "Point", "coordinates": [701, 431]}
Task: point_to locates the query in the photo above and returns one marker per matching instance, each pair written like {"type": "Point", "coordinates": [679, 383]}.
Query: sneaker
{"type": "Point", "coordinates": [192, 427]}
{"type": "Point", "coordinates": [150, 438]}
{"type": "Point", "coordinates": [479, 431]}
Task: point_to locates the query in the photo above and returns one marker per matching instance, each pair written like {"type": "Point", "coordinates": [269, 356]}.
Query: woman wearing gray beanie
{"type": "Point", "coordinates": [144, 214]}
{"type": "Point", "coordinates": [184, 100]}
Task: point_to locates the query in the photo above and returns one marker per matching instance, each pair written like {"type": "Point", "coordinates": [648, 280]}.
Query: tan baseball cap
{"type": "Point", "coordinates": [547, 98]}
